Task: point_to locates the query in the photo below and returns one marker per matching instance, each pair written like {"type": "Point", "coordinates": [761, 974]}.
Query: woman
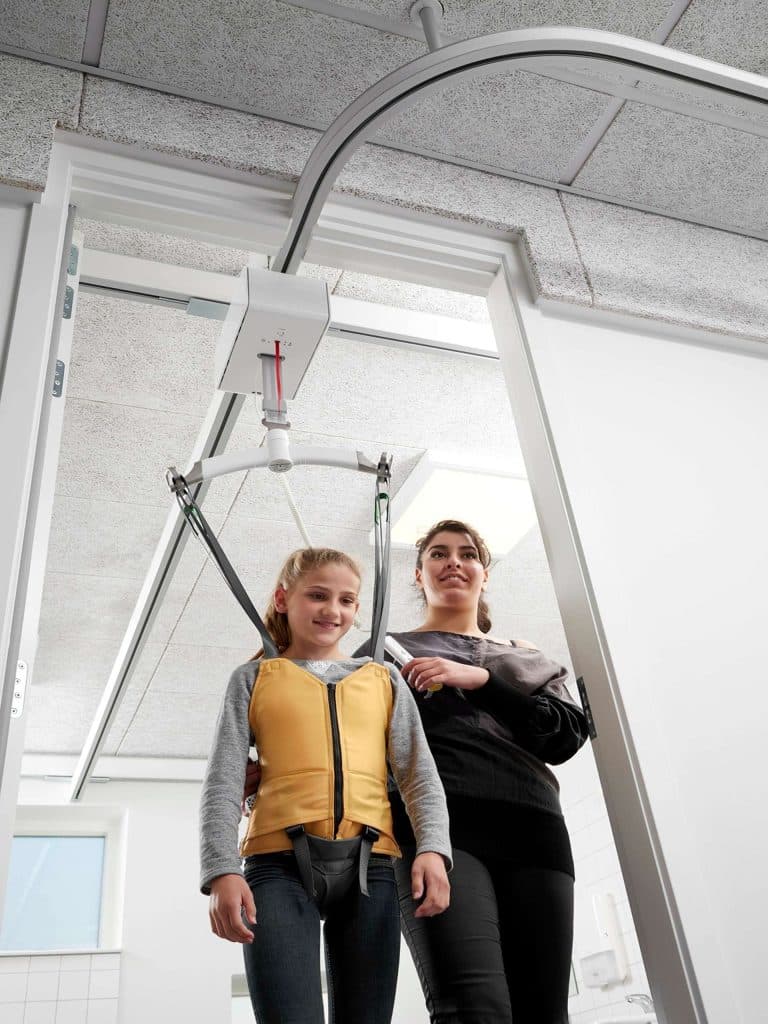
{"type": "Point", "coordinates": [494, 711]}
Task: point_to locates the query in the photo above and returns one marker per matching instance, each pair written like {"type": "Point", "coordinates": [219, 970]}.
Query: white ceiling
{"type": "Point", "coordinates": [303, 61]}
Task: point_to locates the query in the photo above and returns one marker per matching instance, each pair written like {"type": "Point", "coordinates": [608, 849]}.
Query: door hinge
{"type": "Point", "coordinates": [586, 706]}
{"type": "Point", "coordinates": [58, 379]}
{"type": "Point", "coordinates": [19, 689]}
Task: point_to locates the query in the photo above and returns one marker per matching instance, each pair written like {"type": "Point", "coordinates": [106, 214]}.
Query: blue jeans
{"type": "Point", "coordinates": [362, 940]}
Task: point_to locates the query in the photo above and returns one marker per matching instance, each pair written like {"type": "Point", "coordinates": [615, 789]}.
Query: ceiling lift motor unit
{"type": "Point", "coordinates": [273, 327]}
{"type": "Point", "coordinates": [267, 307]}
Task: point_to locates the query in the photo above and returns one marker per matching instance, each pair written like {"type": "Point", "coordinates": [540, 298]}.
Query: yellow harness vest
{"type": "Point", "coordinates": [304, 731]}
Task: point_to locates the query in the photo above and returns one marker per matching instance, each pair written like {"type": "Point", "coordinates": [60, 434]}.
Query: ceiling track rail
{"type": "Point", "coordinates": [349, 131]}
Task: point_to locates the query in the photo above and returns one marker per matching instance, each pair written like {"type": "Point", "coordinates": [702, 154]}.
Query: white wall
{"type": "Point", "coordinates": [662, 446]}
{"type": "Point", "coordinates": [172, 966]}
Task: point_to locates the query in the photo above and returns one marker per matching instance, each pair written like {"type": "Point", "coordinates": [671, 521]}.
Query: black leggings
{"type": "Point", "coordinates": [501, 953]}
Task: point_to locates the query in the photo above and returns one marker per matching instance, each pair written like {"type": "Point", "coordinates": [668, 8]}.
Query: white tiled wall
{"type": "Point", "coordinates": [597, 872]}
{"type": "Point", "coordinates": [59, 989]}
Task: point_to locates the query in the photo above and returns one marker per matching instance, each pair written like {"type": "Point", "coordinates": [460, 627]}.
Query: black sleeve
{"type": "Point", "coordinates": [550, 728]}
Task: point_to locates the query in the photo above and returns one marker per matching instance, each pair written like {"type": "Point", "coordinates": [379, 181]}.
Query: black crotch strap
{"type": "Point", "coordinates": [329, 868]}
{"type": "Point", "coordinates": [368, 838]}
{"type": "Point", "coordinates": [298, 837]}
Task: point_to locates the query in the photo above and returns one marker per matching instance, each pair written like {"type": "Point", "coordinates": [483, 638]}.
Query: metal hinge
{"type": "Point", "coordinates": [19, 688]}
{"type": "Point", "coordinates": [586, 706]}
{"type": "Point", "coordinates": [58, 379]}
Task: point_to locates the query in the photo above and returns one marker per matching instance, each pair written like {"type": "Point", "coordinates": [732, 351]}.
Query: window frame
{"type": "Point", "coordinates": [72, 821]}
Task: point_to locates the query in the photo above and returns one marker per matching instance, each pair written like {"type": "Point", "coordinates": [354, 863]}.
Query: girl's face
{"type": "Point", "coordinates": [321, 608]}
{"type": "Point", "coordinates": [451, 573]}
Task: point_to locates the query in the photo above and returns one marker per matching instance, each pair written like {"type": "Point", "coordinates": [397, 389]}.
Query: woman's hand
{"type": "Point", "coordinates": [252, 780]}
{"type": "Point", "coordinates": [230, 897]}
{"type": "Point", "coordinates": [427, 673]}
{"type": "Point", "coordinates": [430, 880]}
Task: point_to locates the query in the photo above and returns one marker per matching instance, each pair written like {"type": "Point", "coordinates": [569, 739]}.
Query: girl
{"type": "Point", "coordinates": [325, 727]}
{"type": "Point", "coordinates": [494, 711]}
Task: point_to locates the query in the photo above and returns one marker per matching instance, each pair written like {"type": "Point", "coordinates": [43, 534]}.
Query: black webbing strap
{"type": "Point", "coordinates": [370, 835]}
{"type": "Point", "coordinates": [298, 838]}
{"type": "Point", "coordinates": [207, 538]}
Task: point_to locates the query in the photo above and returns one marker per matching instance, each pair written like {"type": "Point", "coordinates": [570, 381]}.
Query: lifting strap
{"type": "Point", "coordinates": [381, 529]}
{"type": "Point", "coordinates": [207, 538]}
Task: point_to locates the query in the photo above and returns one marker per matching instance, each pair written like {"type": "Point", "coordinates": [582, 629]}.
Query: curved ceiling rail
{"type": "Point", "coordinates": [531, 49]}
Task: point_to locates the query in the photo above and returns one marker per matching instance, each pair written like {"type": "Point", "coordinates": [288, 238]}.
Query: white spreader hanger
{"type": "Point", "coordinates": [274, 324]}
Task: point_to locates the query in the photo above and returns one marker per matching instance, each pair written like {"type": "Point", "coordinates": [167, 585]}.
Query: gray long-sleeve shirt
{"type": "Point", "coordinates": [409, 756]}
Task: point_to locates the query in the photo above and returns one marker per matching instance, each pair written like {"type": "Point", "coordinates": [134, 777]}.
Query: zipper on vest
{"type": "Point", "coordinates": [338, 781]}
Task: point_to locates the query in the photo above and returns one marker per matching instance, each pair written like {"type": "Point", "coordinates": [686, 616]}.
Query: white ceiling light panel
{"type": "Point", "coordinates": [486, 494]}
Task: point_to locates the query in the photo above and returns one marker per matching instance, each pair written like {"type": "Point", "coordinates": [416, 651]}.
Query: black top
{"type": "Point", "coordinates": [491, 745]}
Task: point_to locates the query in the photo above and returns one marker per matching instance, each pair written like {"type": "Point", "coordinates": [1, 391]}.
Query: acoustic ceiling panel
{"type": "Point", "coordinates": [172, 725]}
{"type": "Point", "coordinates": [281, 60]}
{"type": "Point", "coordinates": [730, 33]}
{"type": "Point", "coordinates": [38, 97]}
{"type": "Point", "coordinates": [466, 18]}
{"type": "Point", "coordinates": [514, 122]}
{"type": "Point", "coordinates": [697, 170]}
{"type": "Point", "coordinates": [160, 246]}
{"type": "Point", "coordinates": [404, 295]}
{"type": "Point", "coordinates": [116, 452]}
{"type": "Point", "coordinates": [46, 26]}
{"type": "Point", "coordinates": [640, 262]}
{"type": "Point", "coordinates": [406, 397]}
{"type": "Point", "coordinates": [144, 356]}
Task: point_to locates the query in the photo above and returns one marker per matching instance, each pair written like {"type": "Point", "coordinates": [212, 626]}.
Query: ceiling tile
{"type": "Point", "coordinates": [121, 452]}
{"type": "Point", "coordinates": [172, 725]}
{"type": "Point", "coordinates": [99, 607]}
{"type": "Point", "coordinates": [194, 130]}
{"type": "Point", "coordinates": [469, 18]}
{"type": "Point", "coordinates": [407, 397]}
{"type": "Point", "coordinates": [176, 250]}
{"type": "Point", "coordinates": [515, 122]}
{"type": "Point", "coordinates": [730, 33]}
{"type": "Point", "coordinates": [144, 356]}
{"type": "Point", "coordinates": [46, 26]}
{"type": "Point", "coordinates": [683, 273]}
{"type": "Point", "coordinates": [69, 676]}
{"type": "Point", "coordinates": [279, 59]}
{"type": "Point", "coordinates": [194, 669]}
{"type": "Point", "coordinates": [212, 618]}
{"type": "Point", "coordinates": [404, 295]}
{"type": "Point", "coordinates": [683, 165]}
{"type": "Point", "coordinates": [40, 97]}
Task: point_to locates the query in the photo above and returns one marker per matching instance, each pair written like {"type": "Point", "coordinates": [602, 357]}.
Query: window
{"type": "Point", "coordinates": [65, 880]}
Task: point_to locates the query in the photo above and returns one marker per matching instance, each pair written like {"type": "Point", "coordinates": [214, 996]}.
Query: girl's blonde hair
{"type": "Point", "coordinates": [456, 526]}
{"type": "Point", "coordinates": [298, 564]}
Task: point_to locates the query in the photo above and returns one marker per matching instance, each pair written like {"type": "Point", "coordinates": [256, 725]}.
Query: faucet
{"type": "Point", "coordinates": [642, 1000]}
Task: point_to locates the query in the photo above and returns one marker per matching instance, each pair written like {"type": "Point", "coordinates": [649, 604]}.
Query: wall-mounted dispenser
{"type": "Point", "coordinates": [607, 966]}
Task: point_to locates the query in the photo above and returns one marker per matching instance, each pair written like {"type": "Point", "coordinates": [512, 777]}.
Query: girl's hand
{"type": "Point", "coordinates": [430, 880]}
{"type": "Point", "coordinates": [230, 896]}
{"type": "Point", "coordinates": [425, 673]}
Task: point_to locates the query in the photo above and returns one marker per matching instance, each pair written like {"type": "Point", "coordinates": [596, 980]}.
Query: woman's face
{"type": "Point", "coordinates": [451, 573]}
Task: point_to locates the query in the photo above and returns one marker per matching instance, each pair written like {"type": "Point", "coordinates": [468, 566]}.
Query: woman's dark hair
{"type": "Point", "coordinates": [456, 526]}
